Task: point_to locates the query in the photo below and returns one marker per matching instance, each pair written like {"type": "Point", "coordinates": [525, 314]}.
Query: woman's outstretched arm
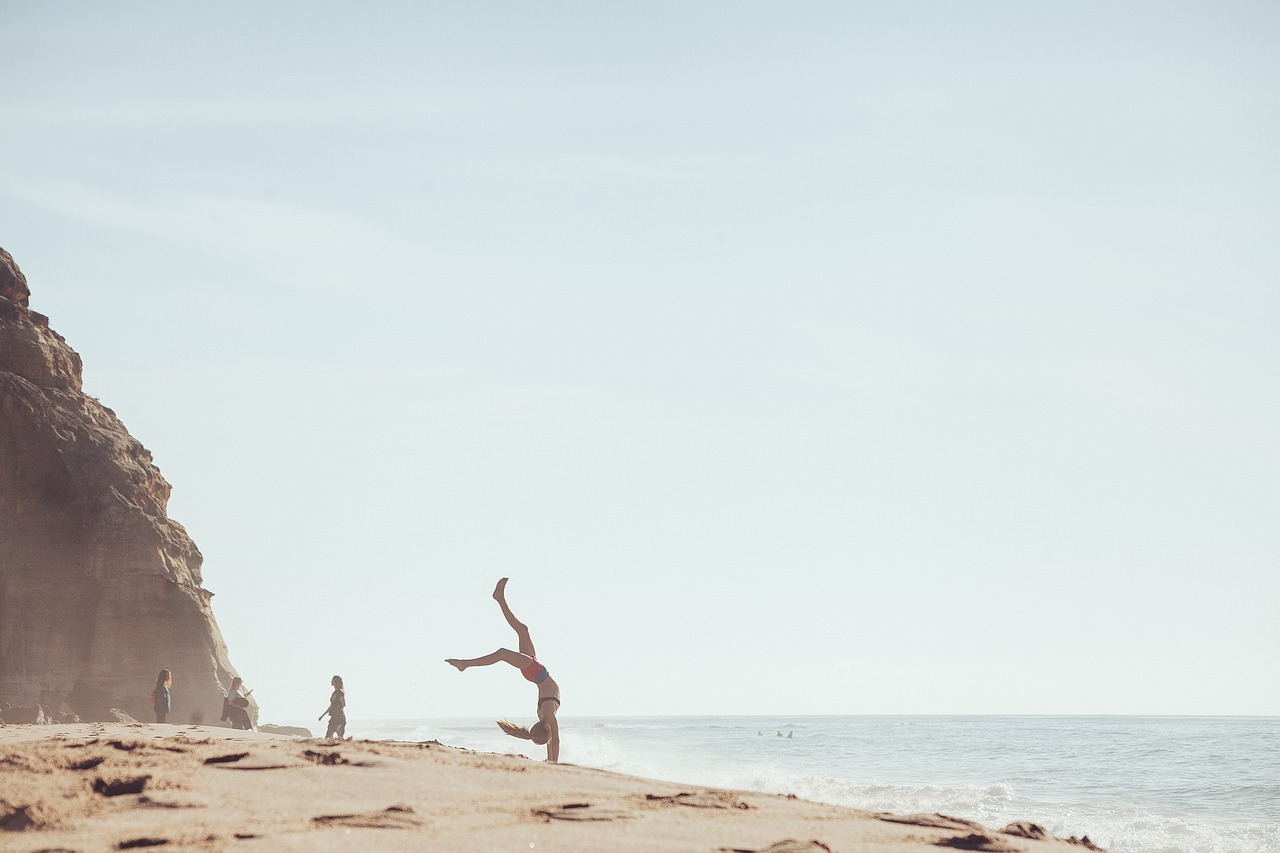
{"type": "Point", "coordinates": [553, 745]}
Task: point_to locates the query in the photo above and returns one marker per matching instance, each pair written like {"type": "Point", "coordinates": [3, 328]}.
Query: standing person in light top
{"type": "Point", "coordinates": [161, 700]}
{"type": "Point", "coordinates": [337, 709]}
{"type": "Point", "coordinates": [546, 730]}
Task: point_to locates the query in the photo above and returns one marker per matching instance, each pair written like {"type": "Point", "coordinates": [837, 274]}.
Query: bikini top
{"type": "Point", "coordinates": [535, 672]}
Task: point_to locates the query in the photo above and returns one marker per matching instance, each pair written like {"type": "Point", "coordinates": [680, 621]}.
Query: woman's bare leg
{"type": "Point", "coordinates": [521, 629]}
{"type": "Point", "coordinates": [520, 659]}
{"type": "Point", "coordinates": [516, 659]}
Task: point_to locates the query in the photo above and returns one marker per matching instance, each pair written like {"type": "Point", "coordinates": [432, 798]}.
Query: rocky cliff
{"type": "Point", "coordinates": [99, 588]}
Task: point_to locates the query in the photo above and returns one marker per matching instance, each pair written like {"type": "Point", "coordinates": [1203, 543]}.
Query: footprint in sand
{"type": "Point", "coordinates": [700, 800]}
{"type": "Point", "coordinates": [392, 817]}
{"type": "Point", "coordinates": [978, 841]}
{"type": "Point", "coordinates": [933, 821]}
{"type": "Point", "coordinates": [579, 811]}
{"type": "Point", "coordinates": [86, 764]}
{"type": "Point", "coordinates": [120, 787]}
{"type": "Point", "coordinates": [17, 819]}
{"type": "Point", "coordinates": [135, 843]}
{"type": "Point", "coordinates": [786, 845]}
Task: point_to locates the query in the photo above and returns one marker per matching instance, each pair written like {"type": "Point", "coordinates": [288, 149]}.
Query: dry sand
{"type": "Point", "coordinates": [92, 787]}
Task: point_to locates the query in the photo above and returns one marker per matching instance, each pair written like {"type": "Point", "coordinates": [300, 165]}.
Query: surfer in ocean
{"type": "Point", "coordinates": [546, 730]}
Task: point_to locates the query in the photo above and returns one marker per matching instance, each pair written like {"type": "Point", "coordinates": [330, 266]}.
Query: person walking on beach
{"type": "Point", "coordinates": [337, 710]}
{"type": "Point", "coordinates": [547, 729]}
{"type": "Point", "coordinates": [161, 700]}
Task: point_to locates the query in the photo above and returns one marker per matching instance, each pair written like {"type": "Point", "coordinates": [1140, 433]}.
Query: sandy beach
{"type": "Point", "coordinates": [90, 787]}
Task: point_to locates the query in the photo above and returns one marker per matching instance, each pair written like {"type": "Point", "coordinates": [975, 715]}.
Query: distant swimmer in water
{"type": "Point", "coordinates": [546, 730]}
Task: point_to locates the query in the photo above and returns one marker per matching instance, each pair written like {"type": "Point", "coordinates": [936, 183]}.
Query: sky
{"type": "Point", "coordinates": [805, 358]}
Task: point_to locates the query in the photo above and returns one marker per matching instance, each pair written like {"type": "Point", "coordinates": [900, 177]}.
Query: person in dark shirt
{"type": "Point", "coordinates": [235, 706]}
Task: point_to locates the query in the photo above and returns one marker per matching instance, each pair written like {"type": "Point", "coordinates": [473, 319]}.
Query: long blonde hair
{"type": "Point", "coordinates": [538, 734]}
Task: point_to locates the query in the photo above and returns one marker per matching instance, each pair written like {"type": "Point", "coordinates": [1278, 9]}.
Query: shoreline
{"type": "Point", "coordinates": [98, 786]}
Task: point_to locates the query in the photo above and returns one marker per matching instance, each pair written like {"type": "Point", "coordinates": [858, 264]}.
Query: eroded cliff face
{"type": "Point", "coordinates": [99, 589]}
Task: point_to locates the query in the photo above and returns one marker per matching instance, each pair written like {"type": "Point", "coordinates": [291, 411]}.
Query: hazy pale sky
{"type": "Point", "coordinates": [790, 358]}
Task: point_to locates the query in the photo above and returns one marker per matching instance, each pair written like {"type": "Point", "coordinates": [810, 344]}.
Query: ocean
{"type": "Point", "coordinates": [1132, 784]}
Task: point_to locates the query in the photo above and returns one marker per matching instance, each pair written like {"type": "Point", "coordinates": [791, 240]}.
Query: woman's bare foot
{"type": "Point", "coordinates": [500, 591]}
{"type": "Point", "coordinates": [455, 663]}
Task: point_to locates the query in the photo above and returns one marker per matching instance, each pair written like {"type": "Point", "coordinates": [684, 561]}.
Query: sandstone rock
{"type": "Point", "coordinates": [24, 715]}
{"type": "Point", "coordinates": [295, 731]}
{"type": "Point", "coordinates": [33, 352]}
{"type": "Point", "coordinates": [99, 588]}
{"type": "Point", "coordinates": [13, 284]}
